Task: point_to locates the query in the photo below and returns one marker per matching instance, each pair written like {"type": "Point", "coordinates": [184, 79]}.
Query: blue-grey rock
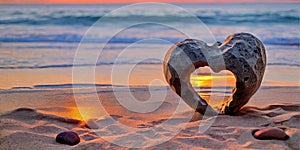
{"type": "Point", "coordinates": [92, 124]}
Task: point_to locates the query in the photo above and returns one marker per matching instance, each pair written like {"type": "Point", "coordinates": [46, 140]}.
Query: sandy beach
{"type": "Point", "coordinates": [31, 118]}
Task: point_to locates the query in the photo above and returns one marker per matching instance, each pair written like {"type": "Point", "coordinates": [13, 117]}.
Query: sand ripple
{"type": "Point", "coordinates": [38, 130]}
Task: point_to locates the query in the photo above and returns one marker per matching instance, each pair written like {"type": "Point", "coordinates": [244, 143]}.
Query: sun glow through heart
{"type": "Point", "coordinates": [206, 83]}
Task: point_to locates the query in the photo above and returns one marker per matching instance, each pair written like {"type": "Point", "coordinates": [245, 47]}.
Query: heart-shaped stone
{"type": "Point", "coordinates": [243, 54]}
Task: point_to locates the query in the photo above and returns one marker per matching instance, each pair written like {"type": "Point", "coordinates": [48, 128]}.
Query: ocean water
{"type": "Point", "coordinates": [47, 36]}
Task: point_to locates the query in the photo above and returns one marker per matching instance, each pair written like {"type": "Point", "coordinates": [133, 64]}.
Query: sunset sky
{"type": "Point", "coordinates": [135, 1]}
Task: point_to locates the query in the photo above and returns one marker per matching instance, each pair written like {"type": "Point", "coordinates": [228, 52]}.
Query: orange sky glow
{"type": "Point", "coordinates": [133, 1]}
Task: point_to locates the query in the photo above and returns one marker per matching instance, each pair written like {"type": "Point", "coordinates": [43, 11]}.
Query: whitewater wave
{"type": "Point", "coordinates": [111, 63]}
{"type": "Point", "coordinates": [86, 15]}
{"type": "Point", "coordinates": [76, 38]}
{"type": "Point", "coordinates": [216, 19]}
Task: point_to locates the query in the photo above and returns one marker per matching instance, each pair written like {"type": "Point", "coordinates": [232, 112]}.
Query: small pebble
{"type": "Point", "coordinates": [92, 124]}
{"type": "Point", "coordinates": [144, 126]}
{"type": "Point", "coordinates": [68, 137]}
{"type": "Point", "coordinates": [270, 133]}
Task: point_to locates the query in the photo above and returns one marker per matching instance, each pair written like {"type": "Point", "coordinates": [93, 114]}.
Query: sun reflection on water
{"type": "Point", "coordinates": [207, 83]}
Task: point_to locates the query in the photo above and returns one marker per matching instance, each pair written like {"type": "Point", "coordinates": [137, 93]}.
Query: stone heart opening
{"type": "Point", "coordinates": [213, 87]}
{"type": "Point", "coordinates": [243, 54]}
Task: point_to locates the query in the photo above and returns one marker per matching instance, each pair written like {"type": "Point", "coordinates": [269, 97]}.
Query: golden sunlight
{"type": "Point", "coordinates": [207, 83]}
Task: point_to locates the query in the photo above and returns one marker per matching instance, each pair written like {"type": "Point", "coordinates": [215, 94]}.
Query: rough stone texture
{"type": "Point", "coordinates": [270, 134]}
{"type": "Point", "coordinates": [68, 137]}
{"type": "Point", "coordinates": [242, 54]}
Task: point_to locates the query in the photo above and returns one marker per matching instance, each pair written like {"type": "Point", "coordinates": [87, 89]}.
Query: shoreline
{"type": "Point", "coordinates": [15, 98]}
{"type": "Point", "coordinates": [140, 77]}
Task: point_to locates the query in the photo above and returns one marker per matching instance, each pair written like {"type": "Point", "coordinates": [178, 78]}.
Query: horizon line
{"type": "Point", "coordinates": [170, 2]}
